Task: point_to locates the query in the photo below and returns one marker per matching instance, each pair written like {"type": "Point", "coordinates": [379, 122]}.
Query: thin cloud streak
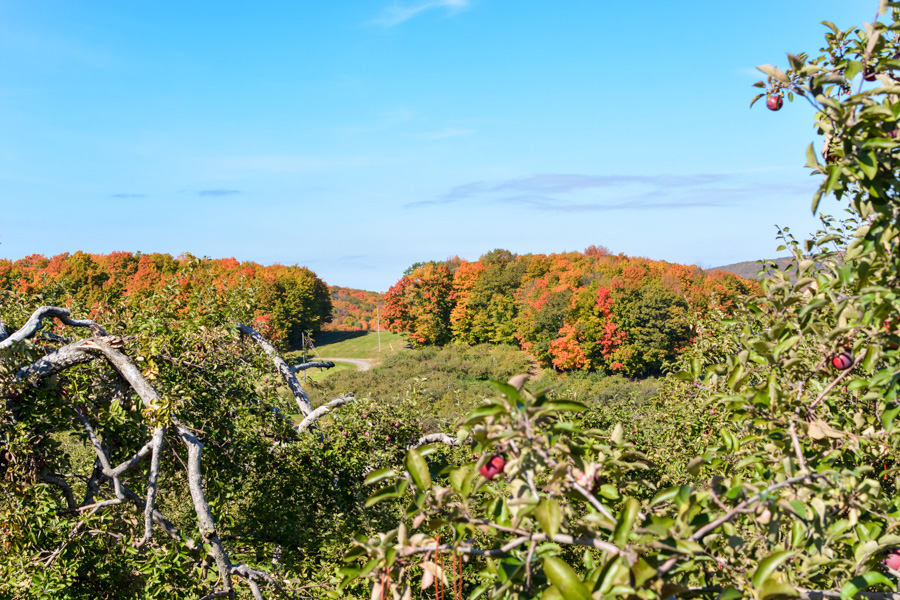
{"type": "Point", "coordinates": [667, 192]}
{"type": "Point", "coordinates": [562, 183]}
{"type": "Point", "coordinates": [546, 203]}
{"type": "Point", "coordinates": [460, 192]}
{"type": "Point", "coordinates": [397, 14]}
{"type": "Point", "coordinates": [126, 196]}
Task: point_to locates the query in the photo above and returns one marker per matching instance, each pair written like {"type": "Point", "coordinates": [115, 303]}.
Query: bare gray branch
{"type": "Point", "coordinates": [283, 368]}
{"type": "Point", "coordinates": [435, 438]}
{"type": "Point", "coordinates": [158, 438]}
{"type": "Point", "coordinates": [312, 365]}
{"type": "Point", "coordinates": [323, 410]}
{"type": "Point", "coordinates": [204, 515]}
{"type": "Point", "coordinates": [34, 323]}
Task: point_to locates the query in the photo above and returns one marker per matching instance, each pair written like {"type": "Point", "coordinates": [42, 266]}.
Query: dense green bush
{"type": "Point", "coordinates": [446, 381]}
{"type": "Point", "coordinates": [272, 492]}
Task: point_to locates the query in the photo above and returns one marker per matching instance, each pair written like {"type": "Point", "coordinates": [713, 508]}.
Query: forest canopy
{"type": "Point", "coordinates": [572, 311]}
{"type": "Point", "coordinates": [285, 301]}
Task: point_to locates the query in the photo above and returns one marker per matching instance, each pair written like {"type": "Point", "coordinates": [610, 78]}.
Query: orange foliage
{"type": "Point", "coordinates": [94, 279]}
{"type": "Point", "coordinates": [572, 310]}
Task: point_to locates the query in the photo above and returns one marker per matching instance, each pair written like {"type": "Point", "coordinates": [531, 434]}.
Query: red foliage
{"type": "Point", "coordinates": [570, 310]}
{"type": "Point", "coordinates": [354, 310]}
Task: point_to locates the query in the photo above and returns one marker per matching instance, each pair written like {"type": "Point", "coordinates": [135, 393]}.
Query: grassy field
{"type": "Point", "coordinates": [356, 344]}
{"type": "Point", "coordinates": [319, 374]}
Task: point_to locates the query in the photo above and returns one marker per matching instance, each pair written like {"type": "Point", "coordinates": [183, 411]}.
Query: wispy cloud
{"type": "Point", "coordinates": [126, 196]}
{"type": "Point", "coordinates": [588, 193]}
{"type": "Point", "coordinates": [398, 13]}
{"type": "Point", "coordinates": [642, 203]}
{"type": "Point", "coordinates": [218, 193]}
{"type": "Point", "coordinates": [460, 192]}
{"type": "Point", "coordinates": [561, 183]}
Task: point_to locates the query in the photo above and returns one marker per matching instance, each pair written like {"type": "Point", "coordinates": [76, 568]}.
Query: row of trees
{"type": "Point", "coordinates": [572, 311]}
{"type": "Point", "coordinates": [353, 310]}
{"type": "Point", "coordinates": [284, 301]}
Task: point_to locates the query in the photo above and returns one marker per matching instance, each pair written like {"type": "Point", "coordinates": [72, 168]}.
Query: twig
{"type": "Point", "coordinates": [797, 449]}
{"type": "Point", "coordinates": [528, 560]}
{"type": "Point", "coordinates": [65, 487]}
{"type": "Point", "coordinates": [703, 531]}
{"type": "Point", "coordinates": [837, 380]}
{"type": "Point", "coordinates": [72, 535]}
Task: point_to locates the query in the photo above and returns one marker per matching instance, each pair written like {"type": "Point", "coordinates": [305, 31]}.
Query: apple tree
{"type": "Point", "coordinates": [164, 449]}
{"type": "Point", "coordinates": [795, 494]}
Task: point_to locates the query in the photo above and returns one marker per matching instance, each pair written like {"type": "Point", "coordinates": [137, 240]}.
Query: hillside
{"type": "Point", "coordinates": [572, 311]}
{"type": "Point", "coordinates": [352, 309]}
{"type": "Point", "coordinates": [749, 269]}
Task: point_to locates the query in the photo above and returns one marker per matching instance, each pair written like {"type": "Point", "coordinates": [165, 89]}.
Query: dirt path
{"type": "Point", "coordinates": [362, 364]}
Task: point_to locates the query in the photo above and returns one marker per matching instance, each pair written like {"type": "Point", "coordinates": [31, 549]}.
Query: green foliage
{"type": "Point", "coordinates": [792, 485]}
{"type": "Point", "coordinates": [266, 486]}
{"type": "Point", "coordinates": [445, 382]}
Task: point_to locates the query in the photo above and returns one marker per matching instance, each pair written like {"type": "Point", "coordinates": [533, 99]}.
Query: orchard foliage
{"type": "Point", "coordinates": [571, 311]}
{"type": "Point", "coordinates": [282, 501]}
{"type": "Point", "coordinates": [795, 493]}
{"type": "Point", "coordinates": [284, 302]}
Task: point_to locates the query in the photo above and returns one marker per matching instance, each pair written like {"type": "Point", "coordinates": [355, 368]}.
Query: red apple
{"type": "Point", "coordinates": [493, 467]}
{"type": "Point", "coordinates": [869, 75]}
{"type": "Point", "coordinates": [774, 102]}
{"type": "Point", "coordinates": [893, 560]}
{"type": "Point", "coordinates": [842, 361]}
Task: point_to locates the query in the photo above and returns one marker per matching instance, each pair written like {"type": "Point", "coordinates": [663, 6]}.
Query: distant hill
{"type": "Point", "coordinates": [352, 309]}
{"type": "Point", "coordinates": [749, 269]}
{"type": "Point", "coordinates": [571, 311]}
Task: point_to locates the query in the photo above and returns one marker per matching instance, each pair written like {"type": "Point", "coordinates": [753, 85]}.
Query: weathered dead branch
{"type": "Point", "coordinates": [158, 439]}
{"type": "Point", "coordinates": [33, 324]}
{"type": "Point", "coordinates": [286, 373]}
{"type": "Point", "coordinates": [435, 438]}
{"type": "Point", "coordinates": [206, 523]}
{"type": "Point", "coordinates": [64, 358]}
{"type": "Point", "coordinates": [313, 365]}
{"type": "Point", "coordinates": [315, 415]}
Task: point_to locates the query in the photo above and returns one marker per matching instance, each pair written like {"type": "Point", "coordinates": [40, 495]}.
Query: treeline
{"type": "Point", "coordinates": [285, 301]}
{"type": "Point", "coordinates": [572, 311]}
{"type": "Point", "coordinates": [353, 310]}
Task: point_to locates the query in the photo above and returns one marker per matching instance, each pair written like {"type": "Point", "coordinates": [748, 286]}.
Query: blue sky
{"type": "Point", "coordinates": [357, 137]}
